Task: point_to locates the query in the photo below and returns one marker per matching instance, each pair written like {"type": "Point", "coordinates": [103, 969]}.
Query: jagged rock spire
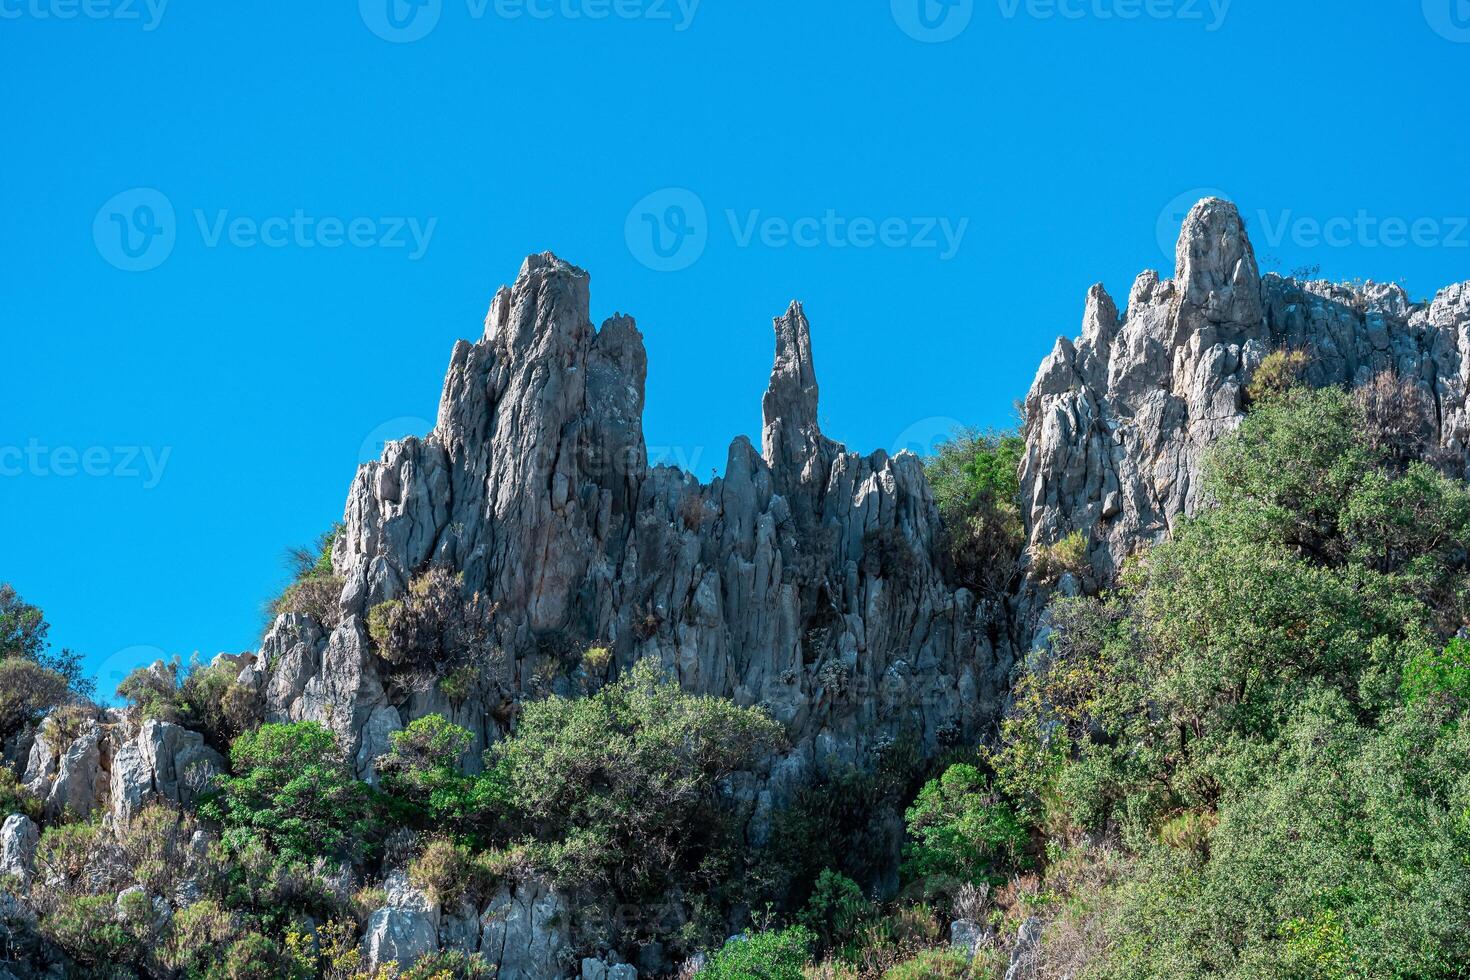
{"type": "Point", "coordinates": [792, 441]}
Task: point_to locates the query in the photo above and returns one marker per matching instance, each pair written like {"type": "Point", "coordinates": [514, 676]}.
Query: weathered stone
{"type": "Point", "coordinates": [69, 778]}
{"type": "Point", "coordinates": [762, 585]}
{"type": "Point", "coordinates": [162, 762]}
{"type": "Point", "coordinates": [1118, 423]}
{"type": "Point", "coordinates": [404, 929]}
{"type": "Point", "coordinates": [526, 934]}
{"type": "Point", "coordinates": [18, 838]}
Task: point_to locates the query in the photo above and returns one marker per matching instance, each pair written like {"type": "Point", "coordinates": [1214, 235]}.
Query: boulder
{"type": "Point", "coordinates": [404, 929]}
{"type": "Point", "coordinates": [18, 838]}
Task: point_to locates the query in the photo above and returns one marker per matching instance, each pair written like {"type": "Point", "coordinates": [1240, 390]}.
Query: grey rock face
{"type": "Point", "coordinates": [1118, 421]}
{"type": "Point", "coordinates": [966, 936]}
{"type": "Point", "coordinates": [18, 838]}
{"type": "Point", "coordinates": [68, 777]}
{"type": "Point", "coordinates": [404, 929]}
{"type": "Point", "coordinates": [527, 933]}
{"type": "Point", "coordinates": [806, 579]}
{"type": "Point", "coordinates": [1024, 954]}
{"type": "Point", "coordinates": [162, 762]}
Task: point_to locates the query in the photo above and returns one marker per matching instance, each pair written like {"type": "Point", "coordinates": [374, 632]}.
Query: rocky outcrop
{"type": "Point", "coordinates": [163, 762]}
{"type": "Point", "coordinates": [527, 932]}
{"type": "Point", "coordinates": [1117, 422]}
{"type": "Point", "coordinates": [405, 929]}
{"type": "Point", "coordinates": [69, 778]}
{"type": "Point", "coordinates": [807, 578]}
{"type": "Point", "coordinates": [117, 766]}
{"type": "Point", "coordinates": [18, 838]}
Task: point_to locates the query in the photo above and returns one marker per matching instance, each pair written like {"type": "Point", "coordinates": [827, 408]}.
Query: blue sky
{"type": "Point", "coordinates": [320, 198]}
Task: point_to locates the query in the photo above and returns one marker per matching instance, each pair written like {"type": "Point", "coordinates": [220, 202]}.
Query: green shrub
{"type": "Point", "coordinates": [1270, 717]}
{"type": "Point", "coordinates": [775, 955]}
{"type": "Point", "coordinates": [253, 957]}
{"type": "Point", "coordinates": [290, 794]}
{"type": "Point", "coordinates": [23, 630]}
{"type": "Point", "coordinates": [1439, 673]}
{"type": "Point", "coordinates": [433, 626]}
{"type": "Point", "coordinates": [28, 691]}
{"type": "Point", "coordinates": [961, 829]}
{"type": "Point", "coordinates": [1277, 373]}
{"type": "Point", "coordinates": [208, 699]}
{"type": "Point", "coordinates": [974, 477]}
{"type": "Point", "coordinates": [836, 910]}
{"type": "Point", "coordinates": [99, 937]}
{"type": "Point", "coordinates": [1068, 555]}
{"type": "Point", "coordinates": [14, 797]}
{"type": "Point", "coordinates": [931, 964]}
{"type": "Point", "coordinates": [314, 590]}
{"type": "Point", "coordinates": [622, 788]}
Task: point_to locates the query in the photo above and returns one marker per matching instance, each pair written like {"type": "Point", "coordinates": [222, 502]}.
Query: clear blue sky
{"type": "Point", "coordinates": [165, 433]}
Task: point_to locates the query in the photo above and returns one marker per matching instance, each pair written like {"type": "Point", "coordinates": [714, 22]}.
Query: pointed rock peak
{"type": "Point", "coordinates": [1215, 264]}
{"type": "Point", "coordinates": [1100, 319]}
{"type": "Point", "coordinates": [548, 306]}
{"type": "Point", "coordinates": [792, 393]}
{"type": "Point", "coordinates": [792, 440]}
{"type": "Point", "coordinates": [547, 264]}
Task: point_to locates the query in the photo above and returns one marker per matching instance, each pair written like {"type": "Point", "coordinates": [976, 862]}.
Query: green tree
{"type": "Point", "coordinates": [959, 828]}
{"type": "Point", "coordinates": [291, 794]}
{"type": "Point", "coordinates": [622, 788]}
{"type": "Point", "coordinates": [773, 955]}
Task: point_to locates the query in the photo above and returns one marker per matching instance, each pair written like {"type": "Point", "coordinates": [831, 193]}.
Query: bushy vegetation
{"type": "Point", "coordinates": [291, 795]}
{"type": "Point", "coordinates": [621, 789]}
{"type": "Point", "coordinates": [314, 589]}
{"type": "Point", "coordinates": [33, 678]}
{"type": "Point", "coordinates": [206, 698]}
{"type": "Point", "coordinates": [1267, 720]}
{"type": "Point", "coordinates": [1249, 757]}
{"type": "Point", "coordinates": [974, 479]}
{"type": "Point", "coordinates": [773, 955]}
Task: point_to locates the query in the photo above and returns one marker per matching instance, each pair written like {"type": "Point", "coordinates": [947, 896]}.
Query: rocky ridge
{"type": "Point", "coordinates": [808, 578]}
